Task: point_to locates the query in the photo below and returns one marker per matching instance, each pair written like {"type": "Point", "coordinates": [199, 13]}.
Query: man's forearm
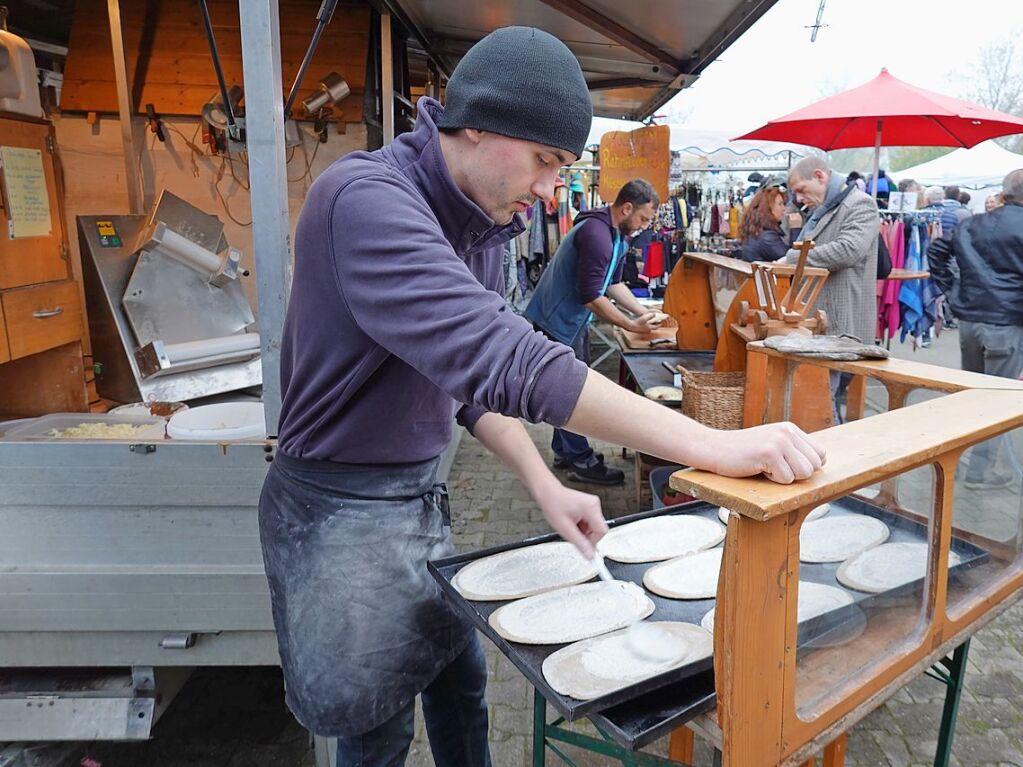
{"type": "Point", "coordinates": [507, 439]}
{"type": "Point", "coordinates": [603, 308]}
{"type": "Point", "coordinates": [607, 412]}
{"type": "Point", "coordinates": [624, 298]}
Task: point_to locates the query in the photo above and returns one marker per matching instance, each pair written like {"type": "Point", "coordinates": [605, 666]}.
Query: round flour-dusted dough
{"type": "Point", "coordinates": [663, 393]}
{"type": "Point", "coordinates": [523, 572]}
{"type": "Point", "coordinates": [837, 538]}
{"type": "Point", "coordinates": [691, 576]}
{"type": "Point", "coordinates": [659, 538]}
{"type": "Point", "coordinates": [888, 566]}
{"type": "Point", "coordinates": [604, 664]}
{"type": "Point", "coordinates": [814, 599]}
{"type": "Point", "coordinates": [573, 613]}
{"type": "Point", "coordinates": [817, 513]}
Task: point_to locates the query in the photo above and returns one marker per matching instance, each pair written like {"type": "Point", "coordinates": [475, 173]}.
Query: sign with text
{"type": "Point", "coordinates": [642, 153]}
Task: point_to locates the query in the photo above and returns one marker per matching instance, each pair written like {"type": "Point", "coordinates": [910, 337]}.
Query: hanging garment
{"type": "Point", "coordinates": [911, 291]}
{"type": "Point", "coordinates": [888, 290]}
{"type": "Point", "coordinates": [653, 259]}
{"type": "Point", "coordinates": [715, 220]}
{"type": "Point", "coordinates": [723, 213]}
{"type": "Point", "coordinates": [733, 222]}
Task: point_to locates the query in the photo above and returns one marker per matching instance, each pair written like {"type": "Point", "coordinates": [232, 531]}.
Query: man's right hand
{"type": "Point", "coordinates": [647, 322]}
{"type": "Point", "coordinates": [781, 451]}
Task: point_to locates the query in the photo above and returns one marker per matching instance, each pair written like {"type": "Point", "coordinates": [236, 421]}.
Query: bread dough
{"type": "Point", "coordinates": [887, 566]}
{"type": "Point", "coordinates": [604, 664]}
{"type": "Point", "coordinates": [691, 576]}
{"type": "Point", "coordinates": [838, 537]}
{"type": "Point", "coordinates": [659, 538]}
{"type": "Point", "coordinates": [817, 513]}
{"type": "Point", "coordinates": [573, 613]}
{"type": "Point", "coordinates": [815, 599]}
{"type": "Point", "coordinates": [523, 572]}
{"type": "Point", "coordinates": [663, 393]}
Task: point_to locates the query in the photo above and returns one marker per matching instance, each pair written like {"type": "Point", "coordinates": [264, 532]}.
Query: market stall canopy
{"type": "Point", "coordinates": [634, 61]}
{"type": "Point", "coordinates": [983, 166]}
{"type": "Point", "coordinates": [888, 112]}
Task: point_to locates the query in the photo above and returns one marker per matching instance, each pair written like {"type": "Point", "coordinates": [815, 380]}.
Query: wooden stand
{"type": "Point", "coordinates": [777, 709]}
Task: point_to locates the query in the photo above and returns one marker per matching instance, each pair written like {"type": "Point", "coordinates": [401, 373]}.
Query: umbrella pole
{"type": "Point", "coordinates": [877, 156]}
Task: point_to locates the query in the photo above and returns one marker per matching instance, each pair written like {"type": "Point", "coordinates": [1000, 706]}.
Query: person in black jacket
{"type": "Point", "coordinates": [986, 293]}
{"type": "Point", "coordinates": [760, 230]}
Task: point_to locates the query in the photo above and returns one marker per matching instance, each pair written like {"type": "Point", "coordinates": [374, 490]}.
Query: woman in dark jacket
{"type": "Point", "coordinates": [760, 230]}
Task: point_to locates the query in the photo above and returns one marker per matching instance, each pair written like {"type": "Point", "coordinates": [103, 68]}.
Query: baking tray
{"type": "Point", "coordinates": [825, 630]}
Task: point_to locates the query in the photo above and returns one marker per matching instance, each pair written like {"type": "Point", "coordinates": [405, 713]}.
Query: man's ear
{"type": "Point", "coordinates": [627, 209]}
{"type": "Point", "coordinates": [474, 135]}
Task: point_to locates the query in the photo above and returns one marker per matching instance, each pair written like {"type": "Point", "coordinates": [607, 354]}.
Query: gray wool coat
{"type": "Point", "coordinates": [846, 245]}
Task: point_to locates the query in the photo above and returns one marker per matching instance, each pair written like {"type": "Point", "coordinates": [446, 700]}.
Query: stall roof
{"type": "Point", "coordinates": [634, 61]}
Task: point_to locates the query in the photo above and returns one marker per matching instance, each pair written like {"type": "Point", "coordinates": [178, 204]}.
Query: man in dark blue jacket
{"type": "Point", "coordinates": [987, 297]}
{"type": "Point", "coordinates": [581, 280]}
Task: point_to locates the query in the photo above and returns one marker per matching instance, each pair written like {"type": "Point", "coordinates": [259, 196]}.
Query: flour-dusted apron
{"type": "Point", "coordinates": [362, 628]}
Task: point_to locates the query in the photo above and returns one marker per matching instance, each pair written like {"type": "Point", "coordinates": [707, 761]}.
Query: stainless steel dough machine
{"type": "Point", "coordinates": [168, 317]}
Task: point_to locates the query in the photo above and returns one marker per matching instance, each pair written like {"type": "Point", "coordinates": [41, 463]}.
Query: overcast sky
{"type": "Point", "coordinates": [774, 69]}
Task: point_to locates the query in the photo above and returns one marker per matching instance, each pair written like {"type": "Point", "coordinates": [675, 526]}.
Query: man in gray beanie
{"type": "Point", "coordinates": [396, 325]}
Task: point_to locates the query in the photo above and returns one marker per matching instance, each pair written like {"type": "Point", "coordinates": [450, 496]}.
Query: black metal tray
{"type": "Point", "coordinates": [630, 702]}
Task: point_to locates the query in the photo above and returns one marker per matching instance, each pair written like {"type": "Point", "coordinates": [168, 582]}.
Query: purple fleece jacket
{"type": "Point", "coordinates": [396, 318]}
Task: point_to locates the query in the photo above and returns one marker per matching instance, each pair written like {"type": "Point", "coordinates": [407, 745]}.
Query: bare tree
{"type": "Point", "coordinates": [995, 80]}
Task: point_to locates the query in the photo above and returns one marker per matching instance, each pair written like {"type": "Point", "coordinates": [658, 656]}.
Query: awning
{"type": "Point", "coordinates": [634, 61]}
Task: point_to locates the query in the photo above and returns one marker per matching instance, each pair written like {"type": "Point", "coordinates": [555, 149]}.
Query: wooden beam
{"type": "Point", "coordinates": [386, 78]}
{"type": "Point", "coordinates": [624, 82]}
{"type": "Point", "coordinates": [131, 155]}
{"type": "Point", "coordinates": [588, 17]}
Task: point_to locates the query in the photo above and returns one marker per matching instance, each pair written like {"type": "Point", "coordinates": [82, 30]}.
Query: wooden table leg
{"type": "Point", "coordinates": [680, 745]}
{"type": "Point", "coordinates": [834, 752]}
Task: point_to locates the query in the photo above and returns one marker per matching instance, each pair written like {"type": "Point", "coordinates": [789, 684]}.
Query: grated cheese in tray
{"type": "Point", "coordinates": [98, 431]}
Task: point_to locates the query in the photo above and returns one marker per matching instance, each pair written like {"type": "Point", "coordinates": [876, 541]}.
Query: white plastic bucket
{"type": "Point", "coordinates": [225, 422]}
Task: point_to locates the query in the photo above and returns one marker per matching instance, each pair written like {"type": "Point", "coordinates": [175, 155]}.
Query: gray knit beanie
{"type": "Point", "coordinates": [523, 83]}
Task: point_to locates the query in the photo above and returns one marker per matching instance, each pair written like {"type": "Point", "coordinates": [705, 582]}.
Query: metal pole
{"type": "Point", "coordinates": [131, 157]}
{"type": "Point", "coordinates": [268, 192]}
{"type": "Point", "coordinates": [877, 156]}
{"type": "Point", "coordinates": [386, 77]}
{"type": "Point", "coordinates": [215, 54]}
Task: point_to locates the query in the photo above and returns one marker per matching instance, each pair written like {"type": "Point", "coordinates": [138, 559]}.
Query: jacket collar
{"type": "Point", "coordinates": [464, 224]}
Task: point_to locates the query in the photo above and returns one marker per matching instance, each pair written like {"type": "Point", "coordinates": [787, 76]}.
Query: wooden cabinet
{"type": "Point", "coordinates": [41, 323]}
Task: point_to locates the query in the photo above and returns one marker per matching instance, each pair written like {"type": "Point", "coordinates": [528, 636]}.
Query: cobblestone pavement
{"type": "Point", "coordinates": [236, 718]}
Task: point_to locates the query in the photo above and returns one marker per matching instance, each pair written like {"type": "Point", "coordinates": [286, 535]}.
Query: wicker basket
{"type": "Point", "coordinates": [713, 399]}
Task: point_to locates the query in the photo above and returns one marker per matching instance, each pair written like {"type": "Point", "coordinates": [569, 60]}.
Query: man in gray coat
{"type": "Point", "coordinates": [844, 225]}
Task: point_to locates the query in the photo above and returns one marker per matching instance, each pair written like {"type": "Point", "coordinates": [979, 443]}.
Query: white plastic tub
{"type": "Point", "coordinates": [225, 422]}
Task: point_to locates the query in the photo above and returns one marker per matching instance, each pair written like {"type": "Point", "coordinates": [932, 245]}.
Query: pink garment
{"type": "Point", "coordinates": [723, 227]}
{"type": "Point", "coordinates": [888, 290]}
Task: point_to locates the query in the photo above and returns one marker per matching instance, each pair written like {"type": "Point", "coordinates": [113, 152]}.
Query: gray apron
{"type": "Point", "coordinates": [362, 628]}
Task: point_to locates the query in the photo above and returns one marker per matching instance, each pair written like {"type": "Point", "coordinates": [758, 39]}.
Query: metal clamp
{"type": "Point", "coordinates": [43, 313]}
{"type": "Point", "coordinates": [178, 641]}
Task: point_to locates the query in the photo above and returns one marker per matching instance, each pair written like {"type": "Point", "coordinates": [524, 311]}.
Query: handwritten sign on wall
{"type": "Point", "coordinates": [642, 153]}
{"type": "Point", "coordinates": [28, 199]}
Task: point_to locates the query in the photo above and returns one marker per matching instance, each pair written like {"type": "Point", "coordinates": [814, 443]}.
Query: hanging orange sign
{"type": "Point", "coordinates": [642, 153]}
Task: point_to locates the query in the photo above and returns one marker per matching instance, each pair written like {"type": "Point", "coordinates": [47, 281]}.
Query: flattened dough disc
{"type": "Point", "coordinates": [523, 572]}
{"type": "Point", "coordinates": [837, 538]}
{"type": "Point", "coordinates": [691, 576]}
{"type": "Point", "coordinates": [814, 599]}
{"type": "Point", "coordinates": [601, 665]}
{"type": "Point", "coordinates": [887, 566]}
{"type": "Point", "coordinates": [573, 613]}
{"type": "Point", "coordinates": [660, 538]}
{"type": "Point", "coordinates": [817, 513]}
{"type": "Point", "coordinates": [663, 393]}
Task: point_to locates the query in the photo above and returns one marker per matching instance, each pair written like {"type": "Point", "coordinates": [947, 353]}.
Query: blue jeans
{"type": "Point", "coordinates": [573, 447]}
{"type": "Point", "coordinates": [456, 721]}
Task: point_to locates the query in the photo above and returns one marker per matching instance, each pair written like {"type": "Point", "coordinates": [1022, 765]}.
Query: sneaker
{"type": "Point", "coordinates": [952, 325]}
{"type": "Point", "coordinates": [991, 482]}
{"type": "Point", "coordinates": [597, 474]}
{"type": "Point", "coordinates": [564, 463]}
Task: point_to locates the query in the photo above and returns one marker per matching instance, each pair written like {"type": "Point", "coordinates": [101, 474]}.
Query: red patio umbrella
{"type": "Point", "coordinates": [888, 112]}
